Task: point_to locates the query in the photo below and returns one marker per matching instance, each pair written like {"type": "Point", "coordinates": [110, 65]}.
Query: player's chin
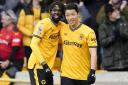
{"type": "Point", "coordinates": [57, 18]}
{"type": "Point", "coordinates": [71, 23]}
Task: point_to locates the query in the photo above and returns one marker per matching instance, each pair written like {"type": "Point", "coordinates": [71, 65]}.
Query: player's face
{"type": "Point", "coordinates": [56, 13]}
{"type": "Point", "coordinates": [72, 17]}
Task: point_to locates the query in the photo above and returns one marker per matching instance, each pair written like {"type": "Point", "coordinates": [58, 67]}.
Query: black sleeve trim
{"type": "Point", "coordinates": [92, 46]}
{"type": "Point", "coordinates": [37, 36]}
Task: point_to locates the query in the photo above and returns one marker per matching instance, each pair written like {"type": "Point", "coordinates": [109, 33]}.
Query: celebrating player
{"type": "Point", "coordinates": [79, 50]}
{"type": "Point", "coordinates": [44, 46]}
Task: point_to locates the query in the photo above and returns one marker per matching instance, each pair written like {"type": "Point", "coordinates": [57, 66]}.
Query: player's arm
{"type": "Point", "coordinates": [93, 53]}
{"type": "Point", "coordinates": [92, 43]}
{"type": "Point", "coordinates": [36, 49]}
{"type": "Point", "coordinates": [37, 36]}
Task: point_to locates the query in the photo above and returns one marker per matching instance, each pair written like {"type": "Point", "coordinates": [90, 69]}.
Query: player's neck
{"type": "Point", "coordinates": [75, 26]}
{"type": "Point", "coordinates": [54, 22]}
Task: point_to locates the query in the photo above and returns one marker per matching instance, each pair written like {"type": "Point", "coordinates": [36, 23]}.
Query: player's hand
{"type": "Point", "coordinates": [5, 64]}
{"type": "Point", "coordinates": [91, 76]}
{"type": "Point", "coordinates": [47, 70]}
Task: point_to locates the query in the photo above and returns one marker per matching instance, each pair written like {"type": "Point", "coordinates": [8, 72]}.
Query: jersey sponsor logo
{"type": "Point", "coordinates": [16, 40]}
{"type": "Point", "coordinates": [54, 36]}
{"type": "Point", "coordinates": [66, 42]}
{"type": "Point", "coordinates": [3, 42]}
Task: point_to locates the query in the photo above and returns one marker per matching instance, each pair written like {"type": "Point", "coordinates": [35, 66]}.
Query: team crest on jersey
{"type": "Point", "coordinates": [81, 36]}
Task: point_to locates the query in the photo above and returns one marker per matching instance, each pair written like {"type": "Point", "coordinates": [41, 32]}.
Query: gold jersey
{"type": "Point", "coordinates": [44, 43]}
{"type": "Point", "coordinates": [76, 55]}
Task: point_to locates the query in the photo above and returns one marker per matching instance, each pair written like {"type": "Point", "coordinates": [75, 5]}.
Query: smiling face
{"type": "Point", "coordinates": [56, 13]}
{"type": "Point", "coordinates": [72, 17]}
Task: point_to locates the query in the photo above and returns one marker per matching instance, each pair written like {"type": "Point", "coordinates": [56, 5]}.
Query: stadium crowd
{"type": "Point", "coordinates": [108, 19]}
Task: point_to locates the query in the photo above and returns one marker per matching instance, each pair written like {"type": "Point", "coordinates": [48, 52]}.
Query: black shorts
{"type": "Point", "coordinates": [38, 77]}
{"type": "Point", "coordinates": [68, 81]}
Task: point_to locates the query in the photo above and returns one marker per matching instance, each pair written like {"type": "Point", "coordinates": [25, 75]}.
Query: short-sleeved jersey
{"type": "Point", "coordinates": [48, 33]}
{"type": "Point", "coordinates": [76, 55]}
{"type": "Point", "coordinates": [8, 39]}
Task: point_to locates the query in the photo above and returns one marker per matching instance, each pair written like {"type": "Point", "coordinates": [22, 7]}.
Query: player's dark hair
{"type": "Point", "coordinates": [71, 6]}
{"type": "Point", "coordinates": [61, 5]}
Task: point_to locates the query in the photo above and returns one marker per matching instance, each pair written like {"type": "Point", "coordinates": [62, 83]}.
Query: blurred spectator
{"type": "Point", "coordinates": [10, 4]}
{"type": "Point", "coordinates": [26, 26]}
{"type": "Point", "coordinates": [45, 5]}
{"type": "Point", "coordinates": [30, 14]}
{"type": "Point", "coordinates": [0, 22]}
{"type": "Point", "coordinates": [11, 50]}
{"type": "Point", "coordinates": [84, 13]}
{"type": "Point", "coordinates": [120, 4]}
{"type": "Point", "coordinates": [105, 1]}
{"type": "Point", "coordinates": [113, 37]}
{"type": "Point", "coordinates": [2, 3]}
{"type": "Point", "coordinates": [44, 8]}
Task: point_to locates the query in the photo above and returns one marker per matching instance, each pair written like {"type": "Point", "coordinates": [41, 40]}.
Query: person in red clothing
{"type": "Point", "coordinates": [11, 50]}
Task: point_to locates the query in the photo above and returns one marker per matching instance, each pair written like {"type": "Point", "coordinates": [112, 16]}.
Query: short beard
{"type": "Point", "coordinates": [55, 20]}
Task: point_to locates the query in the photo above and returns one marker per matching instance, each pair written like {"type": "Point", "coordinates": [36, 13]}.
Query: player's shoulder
{"type": "Point", "coordinates": [86, 28]}
{"type": "Point", "coordinates": [45, 20]}
{"type": "Point", "coordinates": [44, 23]}
{"type": "Point", "coordinates": [64, 25]}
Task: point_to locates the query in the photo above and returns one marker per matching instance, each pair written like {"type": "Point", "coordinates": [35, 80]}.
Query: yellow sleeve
{"type": "Point", "coordinates": [25, 23]}
{"type": "Point", "coordinates": [92, 42]}
{"type": "Point", "coordinates": [37, 36]}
